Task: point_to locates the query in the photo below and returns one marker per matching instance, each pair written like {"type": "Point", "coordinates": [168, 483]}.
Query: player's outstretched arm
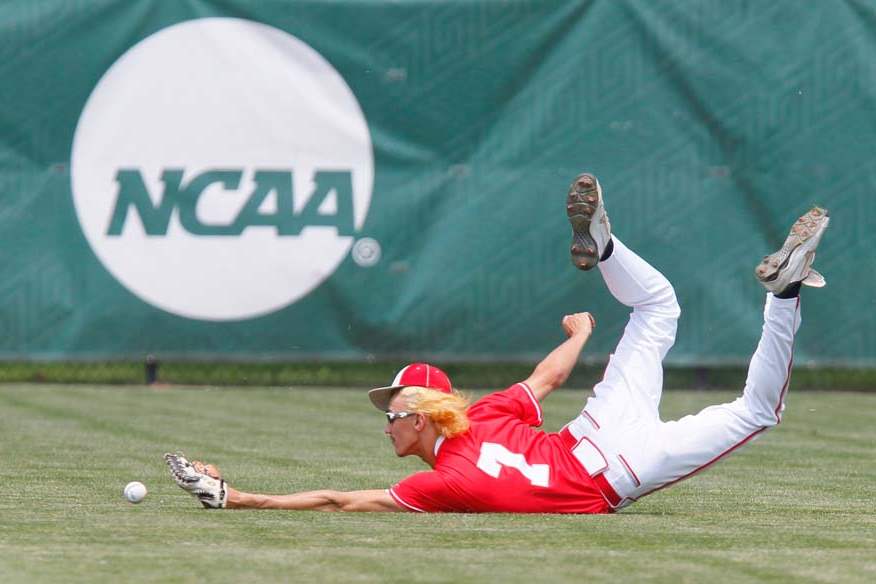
{"type": "Point", "coordinates": [205, 483]}
{"type": "Point", "coordinates": [553, 371]}
{"type": "Point", "coordinates": [376, 500]}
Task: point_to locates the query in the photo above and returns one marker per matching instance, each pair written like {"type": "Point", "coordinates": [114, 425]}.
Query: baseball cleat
{"type": "Point", "coordinates": [793, 262]}
{"type": "Point", "coordinates": [591, 230]}
{"type": "Point", "coordinates": [209, 491]}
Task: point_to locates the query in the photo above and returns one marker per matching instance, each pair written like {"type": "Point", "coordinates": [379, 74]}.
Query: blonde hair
{"type": "Point", "coordinates": [446, 410]}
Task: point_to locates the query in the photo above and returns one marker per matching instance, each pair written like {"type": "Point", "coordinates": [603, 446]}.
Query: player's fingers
{"type": "Point", "coordinates": [198, 465]}
{"type": "Point", "coordinates": [578, 322]}
{"type": "Point", "coordinates": [567, 327]}
{"type": "Point", "coordinates": [213, 471]}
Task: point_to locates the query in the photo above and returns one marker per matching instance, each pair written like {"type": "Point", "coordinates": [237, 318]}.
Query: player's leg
{"type": "Point", "coordinates": [637, 362]}
{"type": "Point", "coordinates": [633, 380]}
{"type": "Point", "coordinates": [680, 448]}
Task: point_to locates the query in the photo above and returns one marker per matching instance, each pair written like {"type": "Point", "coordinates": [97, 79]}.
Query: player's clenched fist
{"type": "Point", "coordinates": [580, 323]}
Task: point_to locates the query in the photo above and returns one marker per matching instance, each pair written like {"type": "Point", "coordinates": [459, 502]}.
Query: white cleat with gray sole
{"type": "Point", "coordinates": [591, 230]}
{"type": "Point", "coordinates": [793, 263]}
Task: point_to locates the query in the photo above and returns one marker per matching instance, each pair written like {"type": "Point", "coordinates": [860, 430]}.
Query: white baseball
{"type": "Point", "coordinates": [135, 491]}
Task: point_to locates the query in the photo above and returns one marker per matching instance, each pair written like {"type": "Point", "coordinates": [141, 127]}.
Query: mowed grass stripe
{"type": "Point", "coordinates": [795, 505]}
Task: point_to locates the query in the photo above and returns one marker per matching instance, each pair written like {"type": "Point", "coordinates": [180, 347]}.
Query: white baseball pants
{"type": "Point", "coordinates": [643, 453]}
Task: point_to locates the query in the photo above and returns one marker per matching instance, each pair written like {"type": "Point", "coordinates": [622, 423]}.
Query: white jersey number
{"type": "Point", "coordinates": [494, 456]}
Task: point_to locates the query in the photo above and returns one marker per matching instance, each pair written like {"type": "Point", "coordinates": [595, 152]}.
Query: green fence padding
{"type": "Point", "coordinates": [358, 180]}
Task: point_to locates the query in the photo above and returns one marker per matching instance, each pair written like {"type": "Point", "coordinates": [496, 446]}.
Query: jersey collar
{"type": "Point", "coordinates": [438, 444]}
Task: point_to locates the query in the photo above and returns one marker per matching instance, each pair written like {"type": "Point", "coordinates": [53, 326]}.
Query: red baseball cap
{"type": "Point", "coordinates": [413, 375]}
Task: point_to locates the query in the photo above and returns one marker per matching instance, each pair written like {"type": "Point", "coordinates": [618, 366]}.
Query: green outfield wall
{"type": "Point", "coordinates": [367, 180]}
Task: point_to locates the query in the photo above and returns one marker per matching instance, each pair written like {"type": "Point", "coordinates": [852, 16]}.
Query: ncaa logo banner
{"type": "Point", "coordinates": [221, 168]}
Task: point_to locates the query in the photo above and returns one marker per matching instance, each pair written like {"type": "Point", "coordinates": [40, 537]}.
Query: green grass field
{"type": "Point", "coordinates": [796, 505]}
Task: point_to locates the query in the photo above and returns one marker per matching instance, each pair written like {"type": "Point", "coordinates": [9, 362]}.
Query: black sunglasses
{"type": "Point", "coordinates": [393, 416]}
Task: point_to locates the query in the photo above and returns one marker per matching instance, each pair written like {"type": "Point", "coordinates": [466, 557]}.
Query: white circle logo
{"type": "Point", "coordinates": [221, 169]}
{"type": "Point", "coordinates": [366, 252]}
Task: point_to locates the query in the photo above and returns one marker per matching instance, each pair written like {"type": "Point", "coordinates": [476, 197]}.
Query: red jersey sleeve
{"type": "Point", "coordinates": [517, 402]}
{"type": "Point", "coordinates": [424, 492]}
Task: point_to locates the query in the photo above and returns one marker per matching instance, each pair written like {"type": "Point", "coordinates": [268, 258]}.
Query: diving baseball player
{"type": "Point", "coordinates": [489, 456]}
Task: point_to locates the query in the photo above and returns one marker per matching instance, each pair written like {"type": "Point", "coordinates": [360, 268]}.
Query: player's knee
{"type": "Point", "coordinates": [672, 307]}
{"type": "Point", "coordinates": [670, 310]}
{"type": "Point", "coordinates": [771, 417]}
{"type": "Point", "coordinates": [666, 302]}
{"type": "Point", "coordinates": [759, 412]}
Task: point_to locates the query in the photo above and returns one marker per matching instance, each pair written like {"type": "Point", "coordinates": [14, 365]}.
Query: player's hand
{"type": "Point", "coordinates": [580, 323]}
{"type": "Point", "coordinates": [207, 469]}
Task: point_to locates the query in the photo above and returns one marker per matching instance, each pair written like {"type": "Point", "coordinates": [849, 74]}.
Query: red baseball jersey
{"type": "Point", "coordinates": [503, 464]}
